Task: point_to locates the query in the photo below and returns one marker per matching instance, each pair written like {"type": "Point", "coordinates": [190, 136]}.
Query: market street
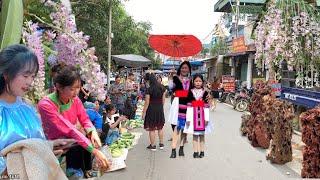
{"type": "Point", "coordinates": [228, 156]}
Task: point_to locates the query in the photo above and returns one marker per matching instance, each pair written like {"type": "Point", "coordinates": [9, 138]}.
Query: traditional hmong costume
{"type": "Point", "coordinates": [198, 113]}
{"type": "Point", "coordinates": [68, 121]}
{"type": "Point", "coordinates": [177, 115]}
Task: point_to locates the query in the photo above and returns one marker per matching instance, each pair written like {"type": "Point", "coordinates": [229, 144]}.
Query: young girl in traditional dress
{"type": "Point", "coordinates": [197, 117]}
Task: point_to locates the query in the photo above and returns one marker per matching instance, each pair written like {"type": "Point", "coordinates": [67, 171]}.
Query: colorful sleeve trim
{"type": "Point", "coordinates": [90, 148]}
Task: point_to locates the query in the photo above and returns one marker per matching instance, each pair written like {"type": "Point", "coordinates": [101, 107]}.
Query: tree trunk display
{"type": "Point", "coordinates": [282, 114]}
{"type": "Point", "coordinates": [270, 119]}
{"type": "Point", "coordinates": [311, 137]}
{"type": "Point", "coordinates": [255, 125]}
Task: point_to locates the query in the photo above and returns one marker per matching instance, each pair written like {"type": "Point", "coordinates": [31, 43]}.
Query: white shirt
{"type": "Point", "coordinates": [111, 121]}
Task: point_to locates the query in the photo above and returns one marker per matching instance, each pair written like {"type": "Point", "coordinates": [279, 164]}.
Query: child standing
{"type": "Point", "coordinates": [197, 116]}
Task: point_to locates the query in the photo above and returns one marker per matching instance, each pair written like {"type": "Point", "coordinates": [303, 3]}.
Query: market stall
{"type": "Point", "coordinates": [131, 60]}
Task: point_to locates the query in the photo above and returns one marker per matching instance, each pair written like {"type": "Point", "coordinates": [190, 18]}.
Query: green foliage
{"type": "Point", "coordinates": [204, 51]}
{"type": "Point", "coordinates": [11, 22]}
{"type": "Point", "coordinates": [250, 9]}
{"type": "Point", "coordinates": [130, 37]}
{"type": "Point", "coordinates": [35, 7]}
{"type": "Point", "coordinates": [156, 64]}
{"type": "Point", "coordinates": [219, 48]}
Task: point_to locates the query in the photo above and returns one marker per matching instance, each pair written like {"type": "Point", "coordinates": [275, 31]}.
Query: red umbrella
{"type": "Point", "coordinates": [175, 45]}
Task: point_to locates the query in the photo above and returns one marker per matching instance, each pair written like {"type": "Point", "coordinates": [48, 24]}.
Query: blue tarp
{"type": "Point", "coordinates": [196, 63]}
{"type": "Point", "coordinates": [170, 64]}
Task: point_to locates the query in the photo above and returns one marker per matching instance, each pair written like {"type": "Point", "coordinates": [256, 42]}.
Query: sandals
{"type": "Point", "coordinates": [91, 174]}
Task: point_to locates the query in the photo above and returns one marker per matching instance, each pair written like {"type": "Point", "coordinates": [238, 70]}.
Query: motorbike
{"type": "Point", "coordinates": [227, 97]}
{"type": "Point", "coordinates": [242, 100]}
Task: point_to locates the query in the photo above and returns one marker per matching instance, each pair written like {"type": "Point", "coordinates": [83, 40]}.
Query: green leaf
{"type": "Point", "coordinates": [11, 22]}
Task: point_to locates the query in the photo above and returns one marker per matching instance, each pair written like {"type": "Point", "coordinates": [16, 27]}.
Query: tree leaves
{"type": "Point", "coordinates": [129, 37]}
{"type": "Point", "coordinates": [11, 22]}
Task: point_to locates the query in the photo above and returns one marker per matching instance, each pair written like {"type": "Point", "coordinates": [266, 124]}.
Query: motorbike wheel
{"type": "Point", "coordinates": [242, 105]}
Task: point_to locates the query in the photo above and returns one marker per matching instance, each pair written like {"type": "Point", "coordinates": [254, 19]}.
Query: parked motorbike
{"type": "Point", "coordinates": [242, 100]}
{"type": "Point", "coordinates": [227, 97]}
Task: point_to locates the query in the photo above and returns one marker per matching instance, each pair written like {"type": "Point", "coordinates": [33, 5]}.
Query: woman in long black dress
{"type": "Point", "coordinates": [153, 113]}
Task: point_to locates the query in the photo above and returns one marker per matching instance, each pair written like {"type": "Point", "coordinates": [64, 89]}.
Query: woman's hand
{"type": "Point", "coordinates": [101, 159]}
{"type": "Point", "coordinates": [4, 173]}
{"type": "Point", "coordinates": [207, 122]}
{"type": "Point", "coordinates": [95, 140]}
{"type": "Point", "coordinates": [60, 145]}
{"type": "Point", "coordinates": [123, 118]}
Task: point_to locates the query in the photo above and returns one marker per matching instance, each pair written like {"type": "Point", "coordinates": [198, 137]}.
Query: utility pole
{"type": "Point", "coordinates": [109, 43]}
{"type": "Point", "coordinates": [237, 17]}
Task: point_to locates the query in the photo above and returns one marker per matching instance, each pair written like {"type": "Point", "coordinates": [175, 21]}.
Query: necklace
{"type": "Point", "coordinates": [185, 82]}
{"type": "Point", "coordinates": [197, 93]}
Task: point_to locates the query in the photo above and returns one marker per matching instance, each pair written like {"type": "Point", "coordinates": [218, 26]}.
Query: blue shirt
{"type": "Point", "coordinates": [18, 121]}
{"type": "Point", "coordinates": [95, 118]}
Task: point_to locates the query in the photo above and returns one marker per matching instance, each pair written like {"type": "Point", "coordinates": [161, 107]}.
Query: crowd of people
{"type": "Point", "coordinates": [77, 124]}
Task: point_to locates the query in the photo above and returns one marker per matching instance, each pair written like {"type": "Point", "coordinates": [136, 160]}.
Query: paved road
{"type": "Point", "coordinates": [228, 156]}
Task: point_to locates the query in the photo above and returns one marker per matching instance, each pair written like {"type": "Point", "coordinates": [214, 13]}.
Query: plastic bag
{"type": "Point", "coordinates": [105, 150]}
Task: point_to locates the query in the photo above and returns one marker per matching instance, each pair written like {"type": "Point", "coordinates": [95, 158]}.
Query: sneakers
{"type": "Point", "coordinates": [161, 146]}
{"type": "Point", "coordinates": [196, 155]}
{"type": "Point", "coordinates": [201, 154]}
{"type": "Point", "coordinates": [152, 148]}
{"type": "Point", "coordinates": [91, 174]}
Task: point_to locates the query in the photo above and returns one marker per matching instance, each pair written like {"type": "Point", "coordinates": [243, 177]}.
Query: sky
{"type": "Point", "coordinates": [196, 17]}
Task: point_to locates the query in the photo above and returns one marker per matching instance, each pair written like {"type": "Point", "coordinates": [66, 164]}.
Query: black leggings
{"type": "Point", "coordinates": [79, 158]}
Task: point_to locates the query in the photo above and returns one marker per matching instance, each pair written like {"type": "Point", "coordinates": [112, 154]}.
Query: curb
{"type": "Point", "coordinates": [228, 104]}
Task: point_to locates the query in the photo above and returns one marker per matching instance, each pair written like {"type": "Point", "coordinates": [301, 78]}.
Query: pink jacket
{"type": "Point", "coordinates": [60, 121]}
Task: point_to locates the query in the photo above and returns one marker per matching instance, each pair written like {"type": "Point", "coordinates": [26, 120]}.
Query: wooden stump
{"type": "Point", "coordinates": [310, 121]}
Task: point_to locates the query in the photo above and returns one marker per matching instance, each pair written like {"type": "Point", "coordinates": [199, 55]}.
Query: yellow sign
{"type": "Point", "coordinates": [238, 45]}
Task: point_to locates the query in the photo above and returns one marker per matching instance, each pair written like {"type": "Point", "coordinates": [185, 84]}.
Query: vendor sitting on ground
{"type": "Point", "coordinates": [92, 111]}
{"type": "Point", "coordinates": [129, 109]}
{"type": "Point", "coordinates": [97, 120]}
{"type": "Point", "coordinates": [113, 120]}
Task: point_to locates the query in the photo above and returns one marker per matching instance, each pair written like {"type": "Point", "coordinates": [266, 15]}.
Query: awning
{"type": "Point", "coordinates": [154, 71]}
{"type": "Point", "coordinates": [131, 60]}
{"type": "Point", "coordinates": [196, 63]}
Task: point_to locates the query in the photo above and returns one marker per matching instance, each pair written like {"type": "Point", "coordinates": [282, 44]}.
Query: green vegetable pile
{"type": "Point", "coordinates": [125, 141]}
{"type": "Point", "coordinates": [134, 123]}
